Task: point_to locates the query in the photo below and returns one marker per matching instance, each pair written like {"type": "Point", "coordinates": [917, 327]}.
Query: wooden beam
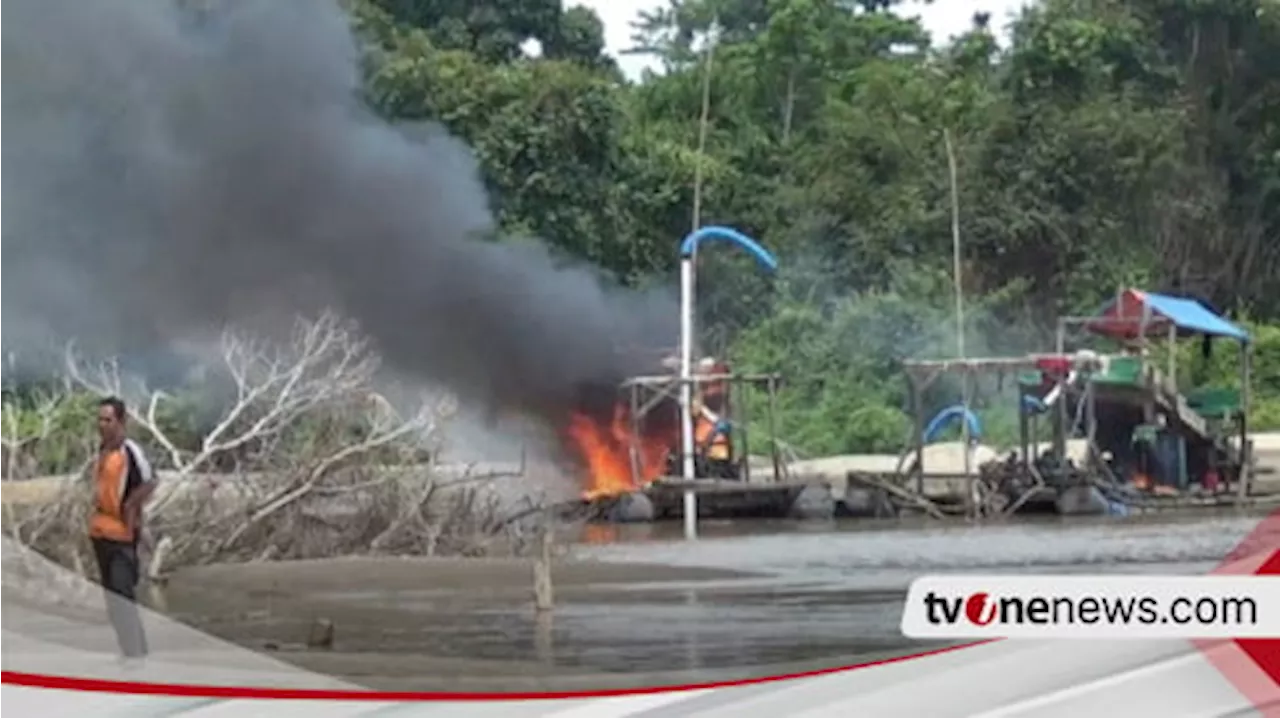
{"type": "Point", "coordinates": [917, 498]}
{"type": "Point", "coordinates": [920, 367]}
{"type": "Point", "coordinates": [658, 380]}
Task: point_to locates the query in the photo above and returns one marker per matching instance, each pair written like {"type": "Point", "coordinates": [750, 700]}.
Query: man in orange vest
{"type": "Point", "coordinates": [123, 482]}
{"type": "Point", "coordinates": [712, 448]}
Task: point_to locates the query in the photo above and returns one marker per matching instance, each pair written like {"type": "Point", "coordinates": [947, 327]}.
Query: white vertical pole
{"type": "Point", "coordinates": [687, 264]}
{"type": "Point", "coordinates": [957, 279]}
{"type": "Point", "coordinates": [686, 394]}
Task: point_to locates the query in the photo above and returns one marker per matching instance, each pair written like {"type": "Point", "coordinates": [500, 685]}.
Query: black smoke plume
{"type": "Point", "coordinates": [165, 173]}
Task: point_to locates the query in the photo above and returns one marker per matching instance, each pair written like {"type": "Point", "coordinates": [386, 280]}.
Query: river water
{"type": "Point", "coordinates": [870, 554]}
{"type": "Point", "coordinates": [819, 593]}
{"type": "Point", "coordinates": [837, 589]}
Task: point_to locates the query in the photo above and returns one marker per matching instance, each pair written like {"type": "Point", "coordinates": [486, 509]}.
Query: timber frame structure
{"type": "Point", "coordinates": [646, 393]}
{"type": "Point", "coordinates": [1135, 393]}
{"type": "Point", "coordinates": [1137, 316]}
{"type": "Point", "coordinates": [921, 376]}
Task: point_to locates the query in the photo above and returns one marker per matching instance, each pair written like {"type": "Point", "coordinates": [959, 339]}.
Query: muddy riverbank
{"type": "Point", "coordinates": [411, 622]}
{"type": "Point", "coordinates": [638, 605]}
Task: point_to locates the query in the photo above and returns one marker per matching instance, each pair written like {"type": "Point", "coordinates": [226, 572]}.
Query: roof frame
{"type": "Point", "coordinates": [1135, 313]}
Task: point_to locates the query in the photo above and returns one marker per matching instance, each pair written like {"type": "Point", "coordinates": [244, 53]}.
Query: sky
{"type": "Point", "coordinates": [943, 19]}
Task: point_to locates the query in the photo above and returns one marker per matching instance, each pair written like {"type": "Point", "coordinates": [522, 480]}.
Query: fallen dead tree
{"type": "Point", "coordinates": [306, 460]}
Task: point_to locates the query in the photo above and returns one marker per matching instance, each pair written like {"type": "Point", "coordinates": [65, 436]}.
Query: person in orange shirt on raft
{"type": "Point", "coordinates": [712, 443]}
{"type": "Point", "coordinates": [711, 439]}
{"type": "Point", "coordinates": [123, 482]}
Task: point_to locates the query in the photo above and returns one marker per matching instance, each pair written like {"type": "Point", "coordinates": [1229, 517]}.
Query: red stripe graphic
{"type": "Point", "coordinates": [1252, 665]}
{"type": "Point", "coordinates": [35, 680]}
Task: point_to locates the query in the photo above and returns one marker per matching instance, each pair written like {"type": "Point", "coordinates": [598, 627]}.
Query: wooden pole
{"type": "Point", "coordinates": [741, 418]}
{"type": "Point", "coordinates": [958, 282]}
{"type": "Point", "coordinates": [917, 414]}
{"type": "Point", "coordinates": [956, 254]}
{"type": "Point", "coordinates": [703, 122]}
{"type": "Point", "coordinates": [1246, 446]}
{"type": "Point", "coordinates": [543, 593]}
{"type": "Point", "coordinates": [1148, 406]}
{"type": "Point", "coordinates": [637, 477]}
{"type": "Point", "coordinates": [971, 478]}
{"type": "Point", "coordinates": [773, 427]}
{"type": "Point", "coordinates": [1024, 433]}
{"type": "Point", "coordinates": [1061, 422]}
{"type": "Point", "coordinates": [1091, 422]}
{"type": "Point", "coordinates": [543, 637]}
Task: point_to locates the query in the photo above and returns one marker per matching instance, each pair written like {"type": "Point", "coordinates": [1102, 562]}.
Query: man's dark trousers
{"type": "Point", "coordinates": [118, 564]}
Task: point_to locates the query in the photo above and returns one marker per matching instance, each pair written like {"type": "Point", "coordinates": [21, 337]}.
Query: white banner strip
{"type": "Point", "coordinates": [1092, 607]}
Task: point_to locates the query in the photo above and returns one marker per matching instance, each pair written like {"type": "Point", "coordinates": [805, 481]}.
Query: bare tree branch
{"type": "Point", "coordinates": [17, 437]}
{"type": "Point", "coordinates": [304, 459]}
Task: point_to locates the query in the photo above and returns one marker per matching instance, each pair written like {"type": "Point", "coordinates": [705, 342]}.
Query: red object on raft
{"type": "Point", "coordinates": [1057, 366]}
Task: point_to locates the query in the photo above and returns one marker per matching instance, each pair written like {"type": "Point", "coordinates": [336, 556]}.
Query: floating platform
{"type": "Point", "coordinates": [663, 500]}
{"type": "Point", "coordinates": [1152, 503]}
{"type": "Point", "coordinates": [879, 495]}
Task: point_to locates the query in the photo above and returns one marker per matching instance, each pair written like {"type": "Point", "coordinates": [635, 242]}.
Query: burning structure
{"type": "Point", "coordinates": [260, 185]}
{"type": "Point", "coordinates": [602, 444]}
{"type": "Point", "coordinates": [627, 438]}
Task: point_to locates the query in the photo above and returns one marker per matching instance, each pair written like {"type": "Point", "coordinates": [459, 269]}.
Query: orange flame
{"type": "Point", "coordinates": [605, 452]}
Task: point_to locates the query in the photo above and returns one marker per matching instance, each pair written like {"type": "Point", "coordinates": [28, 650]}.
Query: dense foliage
{"type": "Point", "coordinates": [1111, 143]}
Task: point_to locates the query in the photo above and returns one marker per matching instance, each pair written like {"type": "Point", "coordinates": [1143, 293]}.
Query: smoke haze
{"type": "Point", "coordinates": [163, 176]}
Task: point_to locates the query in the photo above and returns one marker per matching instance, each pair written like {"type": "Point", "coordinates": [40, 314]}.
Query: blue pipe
{"type": "Point", "coordinates": [758, 252]}
{"type": "Point", "coordinates": [949, 414]}
{"type": "Point", "coordinates": [1031, 404]}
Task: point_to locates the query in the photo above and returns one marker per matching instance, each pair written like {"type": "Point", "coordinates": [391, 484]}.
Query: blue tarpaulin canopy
{"type": "Point", "coordinates": [1123, 317]}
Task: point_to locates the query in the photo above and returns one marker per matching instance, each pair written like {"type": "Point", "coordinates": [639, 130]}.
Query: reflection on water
{"type": "Point", "coordinates": [870, 554]}
{"type": "Point", "coordinates": [824, 591]}
{"type": "Point", "coordinates": [598, 534]}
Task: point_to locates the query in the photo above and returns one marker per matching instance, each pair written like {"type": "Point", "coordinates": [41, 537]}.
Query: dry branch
{"type": "Point", "coordinates": [323, 465]}
{"type": "Point", "coordinates": [19, 439]}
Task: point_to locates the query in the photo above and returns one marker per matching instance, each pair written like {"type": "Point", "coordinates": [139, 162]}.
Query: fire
{"type": "Point", "coordinates": [604, 449]}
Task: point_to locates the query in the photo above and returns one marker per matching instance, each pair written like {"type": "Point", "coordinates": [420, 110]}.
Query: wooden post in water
{"type": "Point", "coordinates": [543, 643]}
{"type": "Point", "coordinates": [543, 593]}
{"type": "Point", "coordinates": [321, 633]}
{"type": "Point", "coordinates": [543, 596]}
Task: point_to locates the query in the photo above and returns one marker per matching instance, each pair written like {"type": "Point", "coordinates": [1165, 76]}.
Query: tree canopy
{"type": "Point", "coordinates": [1108, 144]}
